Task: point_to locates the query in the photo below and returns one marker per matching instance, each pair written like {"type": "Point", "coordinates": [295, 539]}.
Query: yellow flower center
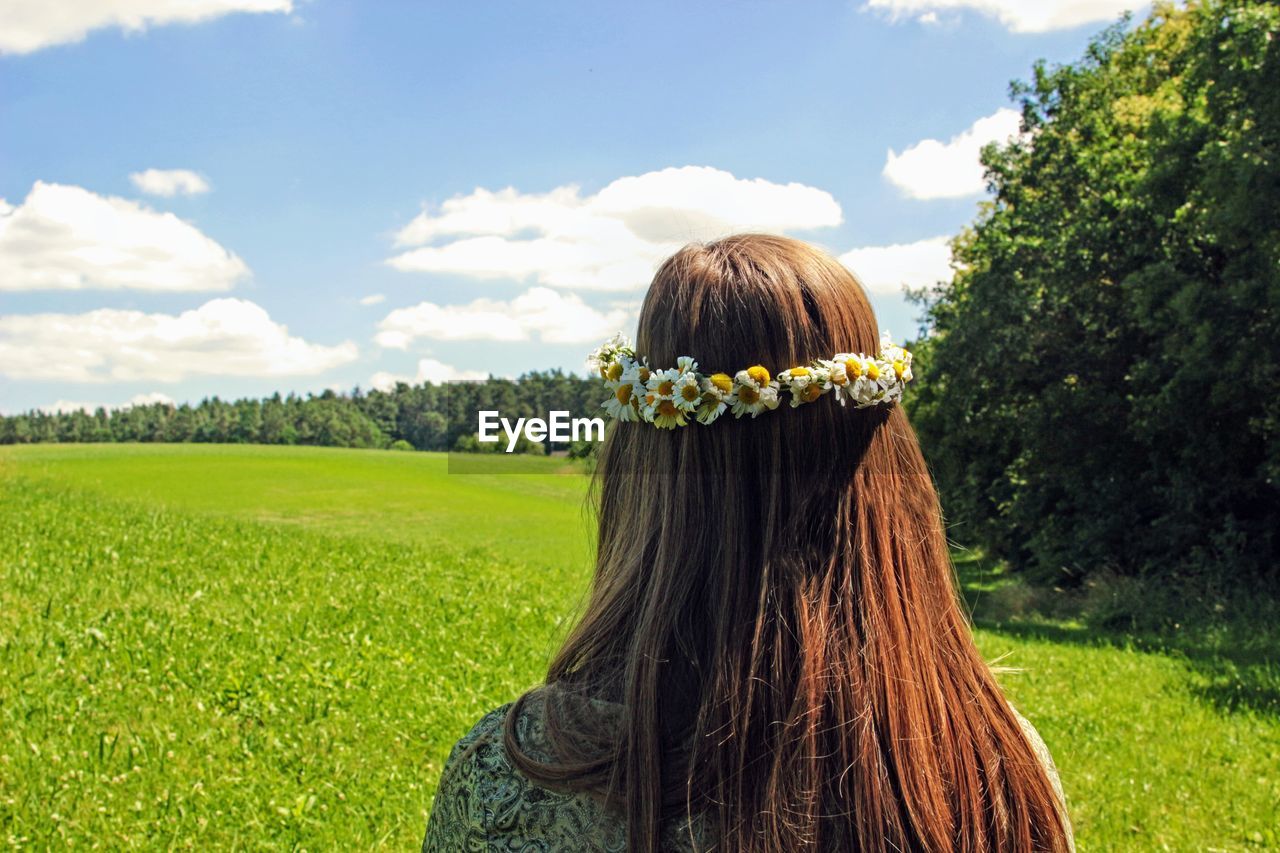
{"type": "Point", "coordinates": [667, 409]}
{"type": "Point", "coordinates": [615, 371]}
{"type": "Point", "coordinates": [811, 393]}
{"type": "Point", "coordinates": [873, 372]}
{"type": "Point", "coordinates": [690, 392]}
{"type": "Point", "coordinates": [666, 388]}
{"type": "Point", "coordinates": [648, 399]}
{"type": "Point", "coordinates": [644, 374]}
{"type": "Point", "coordinates": [604, 371]}
{"type": "Point", "coordinates": [623, 393]}
{"type": "Point", "coordinates": [799, 371]}
{"type": "Point", "coordinates": [898, 367]}
{"type": "Point", "coordinates": [722, 381]}
{"type": "Point", "coordinates": [748, 395]}
{"type": "Point", "coordinates": [853, 368]}
{"type": "Point", "coordinates": [759, 374]}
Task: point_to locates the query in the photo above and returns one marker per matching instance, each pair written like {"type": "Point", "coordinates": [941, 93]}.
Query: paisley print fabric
{"type": "Point", "coordinates": [485, 804]}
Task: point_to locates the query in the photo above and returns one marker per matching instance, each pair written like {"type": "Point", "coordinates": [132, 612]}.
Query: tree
{"type": "Point", "coordinates": [1099, 387]}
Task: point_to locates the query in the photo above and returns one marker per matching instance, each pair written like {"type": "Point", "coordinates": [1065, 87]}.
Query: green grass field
{"type": "Point", "coordinates": [276, 647]}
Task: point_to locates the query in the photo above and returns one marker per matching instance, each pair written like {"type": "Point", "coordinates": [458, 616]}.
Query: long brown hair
{"type": "Point", "coordinates": [773, 605]}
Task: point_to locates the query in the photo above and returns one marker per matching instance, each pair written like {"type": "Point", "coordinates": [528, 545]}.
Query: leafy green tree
{"type": "Point", "coordinates": [1101, 387]}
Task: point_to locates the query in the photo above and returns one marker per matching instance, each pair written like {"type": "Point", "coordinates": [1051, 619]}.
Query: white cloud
{"type": "Point", "coordinates": [135, 400]}
{"type": "Point", "coordinates": [1020, 16]}
{"type": "Point", "coordinates": [558, 318]}
{"type": "Point", "coordinates": [612, 240]}
{"type": "Point", "coordinates": [372, 299]}
{"type": "Point", "coordinates": [29, 25]}
{"type": "Point", "coordinates": [429, 370]}
{"type": "Point", "coordinates": [887, 269]}
{"type": "Point", "coordinates": [384, 381]}
{"type": "Point", "coordinates": [68, 238]}
{"type": "Point", "coordinates": [935, 169]}
{"type": "Point", "coordinates": [223, 337]}
{"type": "Point", "coordinates": [169, 182]}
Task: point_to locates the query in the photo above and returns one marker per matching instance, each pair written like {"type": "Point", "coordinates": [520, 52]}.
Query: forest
{"type": "Point", "coordinates": [430, 416]}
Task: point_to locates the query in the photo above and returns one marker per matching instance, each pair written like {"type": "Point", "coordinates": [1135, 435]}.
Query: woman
{"type": "Point", "coordinates": [772, 656]}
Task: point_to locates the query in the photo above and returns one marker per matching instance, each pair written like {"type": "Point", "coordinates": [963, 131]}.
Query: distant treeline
{"type": "Point", "coordinates": [424, 417]}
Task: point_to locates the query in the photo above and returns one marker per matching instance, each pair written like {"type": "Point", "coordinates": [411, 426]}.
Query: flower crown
{"type": "Point", "coordinates": [667, 398]}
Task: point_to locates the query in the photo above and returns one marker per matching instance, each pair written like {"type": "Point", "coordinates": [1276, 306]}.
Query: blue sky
{"type": "Point", "coordinates": [437, 154]}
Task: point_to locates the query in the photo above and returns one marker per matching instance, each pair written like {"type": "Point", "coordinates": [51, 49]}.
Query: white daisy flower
{"type": "Point", "coordinates": [836, 374]}
{"type": "Point", "coordinates": [718, 385]}
{"type": "Point", "coordinates": [898, 359]}
{"type": "Point", "coordinates": [620, 404]}
{"type": "Point", "coordinates": [805, 383]}
{"type": "Point", "coordinates": [662, 383]}
{"type": "Point", "coordinates": [622, 376]}
{"type": "Point", "coordinates": [716, 391]}
{"type": "Point", "coordinates": [677, 384]}
{"type": "Point", "coordinates": [711, 410]}
{"type": "Point", "coordinates": [864, 375]}
{"type": "Point", "coordinates": [886, 376]}
{"type": "Point", "coordinates": [667, 415]}
{"type": "Point", "coordinates": [846, 369]}
{"type": "Point", "coordinates": [609, 351]}
{"type": "Point", "coordinates": [612, 371]}
{"type": "Point", "coordinates": [754, 391]}
{"type": "Point", "coordinates": [688, 392]}
{"type": "Point", "coordinates": [795, 377]}
{"type": "Point", "coordinates": [901, 366]}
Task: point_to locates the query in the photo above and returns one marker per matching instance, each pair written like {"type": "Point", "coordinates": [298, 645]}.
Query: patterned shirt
{"type": "Point", "coordinates": [485, 804]}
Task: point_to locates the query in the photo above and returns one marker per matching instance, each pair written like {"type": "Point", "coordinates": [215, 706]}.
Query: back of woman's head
{"type": "Point", "coordinates": [773, 604]}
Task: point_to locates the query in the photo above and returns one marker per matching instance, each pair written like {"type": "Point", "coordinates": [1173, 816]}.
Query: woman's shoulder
{"type": "Point", "coordinates": [486, 729]}
{"type": "Point", "coordinates": [458, 818]}
{"type": "Point", "coordinates": [1041, 749]}
{"type": "Point", "coordinates": [484, 800]}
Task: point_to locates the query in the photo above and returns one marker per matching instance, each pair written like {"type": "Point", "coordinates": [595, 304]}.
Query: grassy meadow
{"type": "Point", "coordinates": [253, 647]}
